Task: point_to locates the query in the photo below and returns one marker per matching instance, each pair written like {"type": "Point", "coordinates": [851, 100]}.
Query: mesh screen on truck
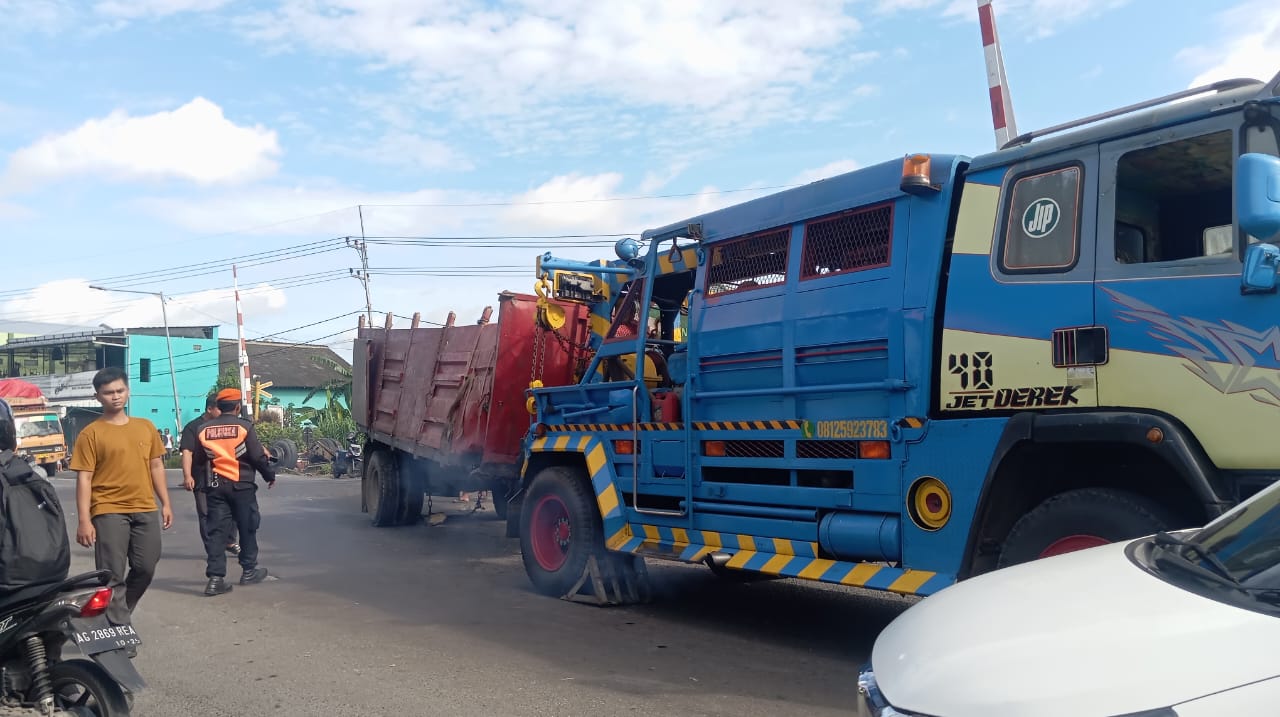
{"type": "Point", "coordinates": [847, 242]}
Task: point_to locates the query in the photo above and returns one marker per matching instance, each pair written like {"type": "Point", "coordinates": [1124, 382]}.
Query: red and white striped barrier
{"type": "Point", "coordinates": [997, 81]}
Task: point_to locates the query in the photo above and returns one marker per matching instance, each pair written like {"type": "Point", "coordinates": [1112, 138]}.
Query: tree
{"type": "Point", "coordinates": [333, 420]}
{"type": "Point", "coordinates": [336, 389]}
{"type": "Point", "coordinates": [229, 378]}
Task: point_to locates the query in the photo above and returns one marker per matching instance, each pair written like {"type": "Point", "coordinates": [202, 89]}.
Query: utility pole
{"type": "Point", "coordinates": [168, 345]}
{"type": "Point", "coordinates": [362, 248]}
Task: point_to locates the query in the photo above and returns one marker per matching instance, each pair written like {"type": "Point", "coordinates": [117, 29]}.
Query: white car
{"type": "Point", "coordinates": [1184, 625]}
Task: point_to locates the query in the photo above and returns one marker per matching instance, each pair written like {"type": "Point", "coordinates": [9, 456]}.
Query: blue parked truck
{"type": "Point", "coordinates": [929, 368]}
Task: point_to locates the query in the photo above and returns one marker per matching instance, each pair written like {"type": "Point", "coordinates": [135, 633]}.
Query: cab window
{"type": "Point", "coordinates": [1042, 232]}
{"type": "Point", "coordinates": [1173, 201]}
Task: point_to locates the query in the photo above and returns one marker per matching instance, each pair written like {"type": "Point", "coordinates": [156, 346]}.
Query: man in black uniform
{"type": "Point", "coordinates": [194, 473]}
{"type": "Point", "coordinates": [233, 453]}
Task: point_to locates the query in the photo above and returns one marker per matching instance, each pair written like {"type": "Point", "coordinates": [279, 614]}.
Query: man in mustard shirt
{"type": "Point", "coordinates": [121, 472]}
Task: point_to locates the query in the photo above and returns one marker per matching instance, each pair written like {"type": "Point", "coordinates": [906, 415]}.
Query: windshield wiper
{"type": "Point", "coordinates": [1164, 540]}
{"type": "Point", "coordinates": [1270, 596]}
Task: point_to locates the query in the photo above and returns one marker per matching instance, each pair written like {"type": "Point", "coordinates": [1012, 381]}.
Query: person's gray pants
{"type": "Point", "coordinates": [127, 540]}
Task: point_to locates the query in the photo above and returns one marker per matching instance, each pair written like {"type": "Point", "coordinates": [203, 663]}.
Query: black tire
{"type": "Point", "coordinates": [286, 454]}
{"type": "Point", "coordinates": [341, 466]}
{"type": "Point", "coordinates": [499, 491]}
{"type": "Point", "coordinates": [1103, 514]}
{"type": "Point", "coordinates": [412, 493]}
{"type": "Point", "coordinates": [50, 469]}
{"type": "Point", "coordinates": [554, 558]}
{"type": "Point", "coordinates": [381, 488]}
{"type": "Point", "coordinates": [80, 683]}
{"type": "Point", "coordinates": [326, 448]}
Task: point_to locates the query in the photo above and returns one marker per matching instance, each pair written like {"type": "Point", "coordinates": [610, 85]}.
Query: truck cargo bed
{"type": "Point", "coordinates": [455, 395]}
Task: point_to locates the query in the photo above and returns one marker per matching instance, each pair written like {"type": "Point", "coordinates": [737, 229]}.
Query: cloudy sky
{"type": "Point", "coordinates": [147, 144]}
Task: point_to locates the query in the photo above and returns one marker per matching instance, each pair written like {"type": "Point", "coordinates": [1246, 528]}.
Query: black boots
{"type": "Point", "coordinates": [257, 575]}
{"type": "Point", "coordinates": [217, 586]}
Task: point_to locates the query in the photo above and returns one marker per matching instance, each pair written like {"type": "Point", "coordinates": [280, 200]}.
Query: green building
{"type": "Point", "coordinates": [63, 365]}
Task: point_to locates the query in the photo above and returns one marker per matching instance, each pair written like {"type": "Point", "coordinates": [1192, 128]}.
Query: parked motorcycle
{"type": "Point", "coordinates": [349, 462]}
{"type": "Point", "coordinates": [36, 623]}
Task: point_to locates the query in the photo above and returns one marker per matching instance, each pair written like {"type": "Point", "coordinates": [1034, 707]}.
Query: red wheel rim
{"type": "Point", "coordinates": [1072, 543]}
{"type": "Point", "coordinates": [550, 532]}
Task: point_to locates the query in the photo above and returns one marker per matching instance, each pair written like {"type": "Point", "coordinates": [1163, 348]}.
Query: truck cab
{"type": "Point", "coordinates": [930, 367]}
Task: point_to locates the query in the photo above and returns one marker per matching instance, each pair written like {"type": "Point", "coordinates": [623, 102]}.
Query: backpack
{"type": "Point", "coordinates": [34, 548]}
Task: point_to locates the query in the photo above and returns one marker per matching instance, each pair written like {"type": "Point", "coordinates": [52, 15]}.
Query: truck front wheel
{"type": "Point", "coordinates": [559, 530]}
{"type": "Point", "coordinates": [1080, 519]}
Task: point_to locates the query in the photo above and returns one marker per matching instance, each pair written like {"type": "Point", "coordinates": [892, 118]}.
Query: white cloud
{"type": "Point", "coordinates": [1252, 53]}
{"type": "Point", "coordinates": [569, 203]}
{"type": "Point", "coordinates": [830, 169]}
{"type": "Point", "coordinates": [9, 210]}
{"type": "Point", "coordinates": [545, 209]}
{"type": "Point", "coordinates": [404, 149]}
{"type": "Point", "coordinates": [39, 16]}
{"type": "Point", "coordinates": [720, 55]}
{"type": "Point", "coordinates": [573, 203]}
{"type": "Point", "coordinates": [195, 142]}
{"type": "Point", "coordinates": [71, 301]}
{"type": "Point", "coordinates": [1031, 19]}
{"type": "Point", "coordinates": [134, 9]}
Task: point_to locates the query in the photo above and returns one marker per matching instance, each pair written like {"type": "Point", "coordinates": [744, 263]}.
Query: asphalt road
{"type": "Point", "coordinates": [442, 621]}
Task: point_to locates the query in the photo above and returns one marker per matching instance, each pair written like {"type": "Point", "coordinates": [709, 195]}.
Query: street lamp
{"type": "Point", "coordinates": [168, 344]}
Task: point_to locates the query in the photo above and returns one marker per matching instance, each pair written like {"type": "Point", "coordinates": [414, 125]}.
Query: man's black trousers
{"type": "Point", "coordinates": [232, 506]}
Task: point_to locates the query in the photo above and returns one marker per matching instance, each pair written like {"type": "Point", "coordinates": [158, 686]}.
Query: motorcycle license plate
{"type": "Point", "coordinates": [101, 636]}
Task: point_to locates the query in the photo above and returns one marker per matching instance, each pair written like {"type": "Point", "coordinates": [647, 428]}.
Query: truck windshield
{"type": "Point", "coordinates": [1247, 540]}
{"type": "Point", "coordinates": [38, 426]}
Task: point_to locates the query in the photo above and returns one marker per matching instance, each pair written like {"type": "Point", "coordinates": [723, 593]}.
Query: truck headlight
{"type": "Point", "coordinates": [871, 703]}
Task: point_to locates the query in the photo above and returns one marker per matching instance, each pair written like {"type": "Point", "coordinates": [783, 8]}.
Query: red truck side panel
{"type": "Point", "coordinates": [455, 395]}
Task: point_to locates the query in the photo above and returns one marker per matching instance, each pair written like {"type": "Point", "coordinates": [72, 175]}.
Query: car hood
{"type": "Point", "coordinates": [1087, 633]}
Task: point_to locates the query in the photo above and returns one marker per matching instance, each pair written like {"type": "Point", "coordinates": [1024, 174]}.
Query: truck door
{"type": "Point", "coordinates": [1181, 339]}
{"type": "Point", "coordinates": [1020, 283]}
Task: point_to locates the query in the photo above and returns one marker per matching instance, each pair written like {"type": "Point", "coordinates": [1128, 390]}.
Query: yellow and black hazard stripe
{"type": "Point", "coordinates": [698, 425]}
{"type": "Point", "coordinates": [773, 556]}
{"type": "Point", "coordinates": [747, 425]}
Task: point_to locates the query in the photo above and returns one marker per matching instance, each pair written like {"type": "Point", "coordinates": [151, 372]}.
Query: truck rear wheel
{"type": "Point", "coordinates": [50, 469]}
{"type": "Point", "coordinates": [559, 530]}
{"type": "Point", "coordinates": [412, 493]}
{"type": "Point", "coordinates": [1080, 519]}
{"type": "Point", "coordinates": [499, 492]}
{"type": "Point", "coordinates": [381, 488]}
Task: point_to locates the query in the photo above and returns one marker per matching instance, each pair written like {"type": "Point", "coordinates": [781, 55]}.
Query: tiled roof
{"type": "Point", "coordinates": [286, 365]}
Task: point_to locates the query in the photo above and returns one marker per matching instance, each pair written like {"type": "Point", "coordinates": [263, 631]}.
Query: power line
{"type": "Point", "coordinates": [261, 354]}
{"type": "Point", "coordinates": [590, 201]}
{"type": "Point", "coordinates": [273, 283]}
{"type": "Point", "coordinates": [495, 237]}
{"type": "Point", "coordinates": [205, 267]}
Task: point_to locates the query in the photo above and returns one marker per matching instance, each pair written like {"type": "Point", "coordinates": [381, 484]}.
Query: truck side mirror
{"type": "Point", "coordinates": [1258, 194]}
{"type": "Point", "coordinates": [1260, 264]}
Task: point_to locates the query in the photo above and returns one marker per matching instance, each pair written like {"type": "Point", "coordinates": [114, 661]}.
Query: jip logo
{"type": "Point", "coordinates": [1041, 218]}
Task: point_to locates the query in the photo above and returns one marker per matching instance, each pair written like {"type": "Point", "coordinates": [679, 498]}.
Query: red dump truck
{"type": "Point", "coordinates": [444, 407]}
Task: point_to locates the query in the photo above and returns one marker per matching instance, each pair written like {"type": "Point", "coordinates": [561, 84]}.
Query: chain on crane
{"type": "Point", "coordinates": [550, 316]}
